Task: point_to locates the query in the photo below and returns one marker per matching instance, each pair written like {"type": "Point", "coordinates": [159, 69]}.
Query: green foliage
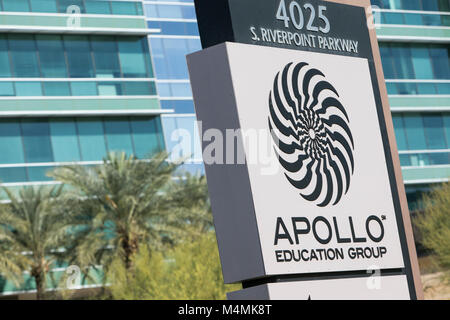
{"type": "Point", "coordinates": [191, 202]}
{"type": "Point", "coordinates": [150, 233]}
{"type": "Point", "coordinates": [119, 206]}
{"type": "Point", "coordinates": [191, 271]}
{"type": "Point", "coordinates": [32, 227]}
{"type": "Point", "coordinates": [434, 226]}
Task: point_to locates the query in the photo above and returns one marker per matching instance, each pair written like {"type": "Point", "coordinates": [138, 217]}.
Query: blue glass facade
{"type": "Point", "coordinates": [59, 79]}
{"type": "Point", "coordinates": [36, 145]}
{"type": "Point", "coordinates": [414, 68]}
{"type": "Point", "coordinates": [417, 70]}
{"type": "Point", "coordinates": [73, 57]}
{"type": "Point", "coordinates": [179, 36]}
{"type": "Point", "coordinates": [76, 88]}
{"type": "Point", "coordinates": [62, 6]}
{"type": "Point", "coordinates": [413, 12]}
{"type": "Point", "coordinates": [414, 19]}
{"type": "Point", "coordinates": [423, 139]}
{"type": "Point", "coordinates": [425, 5]}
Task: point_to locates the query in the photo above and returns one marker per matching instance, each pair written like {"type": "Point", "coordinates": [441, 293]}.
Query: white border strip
{"type": "Point", "coordinates": [77, 79]}
{"type": "Point", "coordinates": [441, 13]}
{"type": "Point", "coordinates": [27, 184]}
{"type": "Point", "coordinates": [420, 109]}
{"type": "Point", "coordinates": [417, 81]}
{"type": "Point", "coordinates": [424, 181]}
{"type": "Point", "coordinates": [424, 151]}
{"type": "Point", "coordinates": [177, 80]}
{"type": "Point", "coordinates": [170, 3]}
{"type": "Point", "coordinates": [86, 286]}
{"type": "Point", "coordinates": [81, 30]}
{"type": "Point", "coordinates": [164, 36]}
{"type": "Point", "coordinates": [175, 98]}
{"type": "Point", "coordinates": [412, 39]}
{"type": "Point", "coordinates": [83, 113]}
{"type": "Point", "coordinates": [96, 97]}
{"type": "Point", "coordinates": [81, 15]}
{"type": "Point", "coordinates": [179, 115]}
{"type": "Point", "coordinates": [437, 166]}
{"type": "Point", "coordinates": [409, 26]}
{"type": "Point", "coordinates": [50, 164]}
{"type": "Point", "coordinates": [419, 96]}
{"type": "Point", "coordinates": [172, 20]}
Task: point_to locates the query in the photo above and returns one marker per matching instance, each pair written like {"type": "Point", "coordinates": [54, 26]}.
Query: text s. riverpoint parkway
{"type": "Point", "coordinates": [114, 77]}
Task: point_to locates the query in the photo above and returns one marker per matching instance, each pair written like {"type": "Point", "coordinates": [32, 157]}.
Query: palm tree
{"type": "Point", "coordinates": [32, 229]}
{"type": "Point", "coordinates": [190, 198]}
{"type": "Point", "coordinates": [121, 205]}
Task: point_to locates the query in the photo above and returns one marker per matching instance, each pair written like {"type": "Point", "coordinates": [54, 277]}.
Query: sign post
{"type": "Point", "coordinates": [299, 152]}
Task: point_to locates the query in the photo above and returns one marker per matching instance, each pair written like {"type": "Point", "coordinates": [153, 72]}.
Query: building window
{"type": "Point", "coordinates": [16, 6]}
{"type": "Point", "coordinates": [134, 58]}
{"type": "Point", "coordinates": [61, 6]}
{"type": "Point", "coordinates": [423, 139]}
{"type": "Point", "coordinates": [77, 88]}
{"type": "Point", "coordinates": [175, 28]}
{"type": "Point", "coordinates": [5, 69]}
{"type": "Point", "coordinates": [105, 57]}
{"type": "Point", "coordinates": [97, 7]}
{"type": "Point", "coordinates": [51, 56]}
{"type": "Point", "coordinates": [415, 196]}
{"type": "Point", "coordinates": [416, 131]}
{"type": "Point", "coordinates": [169, 56]}
{"type": "Point", "coordinates": [435, 131]}
{"type": "Point", "coordinates": [36, 140]}
{"type": "Point", "coordinates": [44, 142]}
{"type": "Point", "coordinates": [83, 88]}
{"type": "Point", "coordinates": [425, 5]}
{"type": "Point", "coordinates": [92, 139]}
{"type": "Point", "coordinates": [76, 56]}
{"type": "Point", "coordinates": [23, 55]}
{"type": "Point", "coordinates": [56, 88]}
{"type": "Point", "coordinates": [11, 140]}
{"type": "Point", "coordinates": [64, 4]}
{"type": "Point", "coordinates": [182, 137]}
{"type": "Point", "coordinates": [43, 6]}
{"type": "Point", "coordinates": [406, 61]}
{"type": "Point", "coordinates": [166, 11]}
{"type": "Point", "coordinates": [64, 140]}
{"type": "Point", "coordinates": [118, 135]}
{"type": "Point", "coordinates": [79, 56]}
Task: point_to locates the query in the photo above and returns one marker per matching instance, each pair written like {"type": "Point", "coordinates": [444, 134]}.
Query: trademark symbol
{"type": "Point", "coordinates": [383, 217]}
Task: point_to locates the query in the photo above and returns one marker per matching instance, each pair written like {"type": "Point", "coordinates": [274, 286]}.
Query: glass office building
{"type": "Point", "coordinates": [179, 36]}
{"type": "Point", "coordinates": [76, 81]}
{"type": "Point", "coordinates": [71, 93]}
{"type": "Point", "coordinates": [414, 38]}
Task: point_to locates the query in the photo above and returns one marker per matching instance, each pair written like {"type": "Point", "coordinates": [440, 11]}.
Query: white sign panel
{"type": "Point", "coordinates": [324, 203]}
{"type": "Point", "coordinates": [373, 288]}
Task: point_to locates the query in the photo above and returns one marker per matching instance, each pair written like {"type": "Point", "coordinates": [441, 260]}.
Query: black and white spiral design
{"type": "Point", "coordinates": [310, 129]}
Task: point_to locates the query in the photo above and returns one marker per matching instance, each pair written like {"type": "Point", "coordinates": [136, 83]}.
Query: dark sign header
{"type": "Point", "coordinates": [310, 25]}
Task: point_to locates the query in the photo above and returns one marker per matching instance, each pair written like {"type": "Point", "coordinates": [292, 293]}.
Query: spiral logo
{"type": "Point", "coordinates": [310, 129]}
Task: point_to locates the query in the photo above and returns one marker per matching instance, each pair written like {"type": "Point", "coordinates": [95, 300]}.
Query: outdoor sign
{"type": "Point", "coordinates": [297, 152]}
{"type": "Point", "coordinates": [384, 288]}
